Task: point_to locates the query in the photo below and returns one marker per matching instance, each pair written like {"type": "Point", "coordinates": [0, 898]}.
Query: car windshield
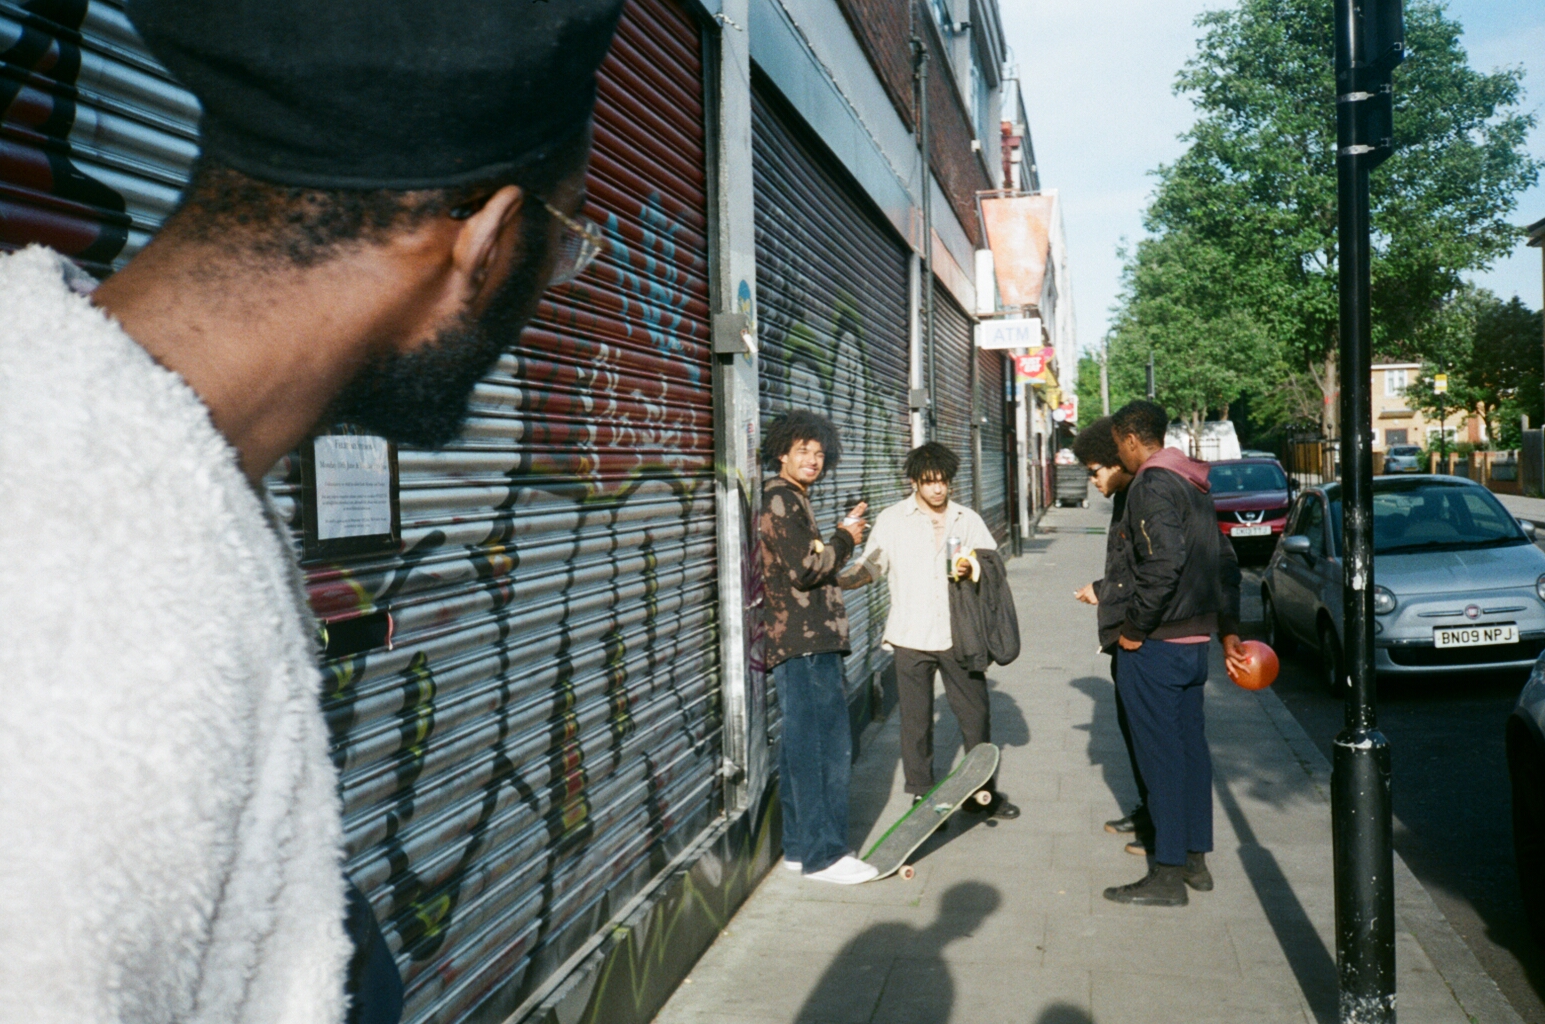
{"type": "Point", "coordinates": [1437, 517]}
{"type": "Point", "coordinates": [1405, 449]}
{"type": "Point", "coordinates": [1244, 477]}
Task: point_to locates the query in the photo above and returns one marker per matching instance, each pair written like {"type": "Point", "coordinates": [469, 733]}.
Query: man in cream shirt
{"type": "Point", "coordinates": [910, 547]}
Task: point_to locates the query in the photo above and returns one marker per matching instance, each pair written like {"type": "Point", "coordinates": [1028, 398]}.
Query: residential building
{"type": "Point", "coordinates": [1397, 421]}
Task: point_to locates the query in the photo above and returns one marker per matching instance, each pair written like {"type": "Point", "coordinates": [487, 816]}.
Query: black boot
{"type": "Point", "coordinates": [1163, 886]}
{"type": "Point", "coordinates": [1137, 821]}
{"type": "Point", "coordinates": [1196, 874]}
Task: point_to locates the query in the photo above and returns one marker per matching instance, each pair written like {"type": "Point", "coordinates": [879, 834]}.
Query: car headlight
{"type": "Point", "coordinates": [1539, 587]}
{"type": "Point", "coordinates": [1384, 598]}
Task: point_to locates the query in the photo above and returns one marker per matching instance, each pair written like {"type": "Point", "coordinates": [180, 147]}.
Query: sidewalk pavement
{"type": "Point", "coordinates": [1005, 921]}
{"type": "Point", "coordinates": [1532, 509]}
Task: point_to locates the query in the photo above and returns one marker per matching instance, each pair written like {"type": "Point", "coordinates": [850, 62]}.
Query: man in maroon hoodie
{"type": "Point", "coordinates": [1184, 583]}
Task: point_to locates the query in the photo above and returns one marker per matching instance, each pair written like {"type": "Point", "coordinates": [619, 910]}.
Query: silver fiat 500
{"type": "Point", "coordinates": [1459, 583]}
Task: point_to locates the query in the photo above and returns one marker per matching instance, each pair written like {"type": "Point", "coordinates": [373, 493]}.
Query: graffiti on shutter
{"type": "Point", "coordinates": [832, 305]}
{"type": "Point", "coordinates": [96, 140]}
{"type": "Point", "coordinates": [955, 352]}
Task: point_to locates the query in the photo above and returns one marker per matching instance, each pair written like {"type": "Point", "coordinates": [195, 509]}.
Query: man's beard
{"type": "Point", "coordinates": [420, 398]}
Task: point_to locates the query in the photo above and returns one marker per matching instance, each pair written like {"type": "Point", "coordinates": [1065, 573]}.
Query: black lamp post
{"type": "Point", "coordinates": [1369, 43]}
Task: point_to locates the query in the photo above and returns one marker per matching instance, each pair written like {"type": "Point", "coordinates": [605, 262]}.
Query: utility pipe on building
{"type": "Point", "coordinates": [925, 177]}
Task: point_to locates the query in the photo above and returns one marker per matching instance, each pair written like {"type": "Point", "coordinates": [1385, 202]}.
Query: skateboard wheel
{"type": "Point", "coordinates": [983, 797]}
{"type": "Point", "coordinates": [907, 872]}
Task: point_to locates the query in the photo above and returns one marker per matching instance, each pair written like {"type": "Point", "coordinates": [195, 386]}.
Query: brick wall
{"type": "Point", "coordinates": [884, 28]}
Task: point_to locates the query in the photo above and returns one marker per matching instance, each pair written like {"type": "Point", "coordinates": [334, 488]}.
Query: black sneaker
{"type": "Point", "coordinates": [1001, 809]}
{"type": "Point", "coordinates": [1163, 886]}
{"type": "Point", "coordinates": [1196, 874]}
{"type": "Point", "coordinates": [1137, 821]}
{"type": "Point", "coordinates": [993, 808]}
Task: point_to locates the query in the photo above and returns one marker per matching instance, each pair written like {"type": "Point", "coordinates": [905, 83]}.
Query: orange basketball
{"type": "Point", "coordinates": [1261, 672]}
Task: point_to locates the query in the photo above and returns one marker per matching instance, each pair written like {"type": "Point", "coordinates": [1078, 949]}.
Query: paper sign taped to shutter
{"type": "Point", "coordinates": [353, 486]}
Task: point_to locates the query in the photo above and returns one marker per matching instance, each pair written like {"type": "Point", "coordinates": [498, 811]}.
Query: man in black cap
{"type": "Point", "coordinates": [385, 190]}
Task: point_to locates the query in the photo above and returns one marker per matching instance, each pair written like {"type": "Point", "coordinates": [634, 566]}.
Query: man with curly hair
{"type": "Point", "coordinates": [807, 635]}
{"type": "Point", "coordinates": [1095, 447]}
{"type": "Point", "coordinates": [909, 549]}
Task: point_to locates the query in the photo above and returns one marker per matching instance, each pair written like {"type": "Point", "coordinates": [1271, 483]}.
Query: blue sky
{"type": "Point", "coordinates": [1097, 78]}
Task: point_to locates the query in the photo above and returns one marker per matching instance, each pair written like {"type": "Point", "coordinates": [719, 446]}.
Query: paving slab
{"type": "Point", "coordinates": [1005, 921]}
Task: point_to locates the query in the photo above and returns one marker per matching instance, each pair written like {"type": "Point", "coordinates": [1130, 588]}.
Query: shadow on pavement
{"type": "Point", "coordinates": [918, 987]}
{"type": "Point", "coordinates": [1106, 748]}
{"type": "Point", "coordinates": [1312, 964]}
{"type": "Point", "coordinates": [1063, 1013]}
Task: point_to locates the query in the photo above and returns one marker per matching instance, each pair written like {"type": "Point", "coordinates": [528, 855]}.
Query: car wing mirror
{"type": "Point", "coordinates": [1297, 544]}
{"type": "Point", "coordinates": [1527, 527]}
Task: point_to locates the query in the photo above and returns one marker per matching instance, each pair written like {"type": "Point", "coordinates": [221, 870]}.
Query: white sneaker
{"type": "Point", "coordinates": [792, 865]}
{"type": "Point", "coordinates": [847, 871]}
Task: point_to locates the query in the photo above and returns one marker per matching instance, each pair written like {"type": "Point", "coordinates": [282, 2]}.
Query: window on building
{"type": "Point", "coordinates": [1394, 437]}
{"type": "Point", "coordinates": [1395, 382]}
{"type": "Point", "coordinates": [981, 98]}
{"type": "Point", "coordinates": [943, 15]}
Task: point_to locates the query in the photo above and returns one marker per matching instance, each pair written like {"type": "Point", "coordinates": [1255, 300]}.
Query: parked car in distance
{"type": "Point", "coordinates": [1459, 585]}
{"type": "Point", "coordinates": [1252, 498]}
{"type": "Point", "coordinates": [1256, 453]}
{"type": "Point", "coordinates": [1526, 771]}
{"type": "Point", "coordinates": [1403, 458]}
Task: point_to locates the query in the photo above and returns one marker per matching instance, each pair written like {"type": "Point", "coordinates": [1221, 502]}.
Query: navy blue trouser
{"type": "Point", "coordinates": [1161, 685]}
{"type": "Point", "coordinates": [1126, 738]}
{"type": "Point", "coordinates": [815, 759]}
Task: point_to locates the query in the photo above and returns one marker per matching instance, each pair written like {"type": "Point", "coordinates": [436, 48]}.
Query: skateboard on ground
{"type": "Point", "coordinates": [889, 855]}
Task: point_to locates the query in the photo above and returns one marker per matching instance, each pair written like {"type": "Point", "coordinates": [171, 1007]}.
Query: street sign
{"type": "Point", "coordinates": [1014, 332]}
{"type": "Point", "coordinates": [1439, 383]}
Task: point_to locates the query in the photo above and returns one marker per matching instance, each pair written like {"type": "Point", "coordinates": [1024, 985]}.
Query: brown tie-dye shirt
{"type": "Point", "coordinates": [804, 610]}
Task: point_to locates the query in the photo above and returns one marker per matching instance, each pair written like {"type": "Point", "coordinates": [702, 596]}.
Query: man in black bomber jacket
{"type": "Point", "coordinates": [1183, 579]}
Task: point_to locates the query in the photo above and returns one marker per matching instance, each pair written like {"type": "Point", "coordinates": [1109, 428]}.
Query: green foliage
{"type": "Point", "coordinates": [1235, 290]}
{"type": "Point", "coordinates": [1492, 352]}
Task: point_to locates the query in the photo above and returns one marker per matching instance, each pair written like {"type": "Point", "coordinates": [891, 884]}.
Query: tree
{"type": "Point", "coordinates": [1491, 351]}
{"type": "Point", "coordinates": [1243, 224]}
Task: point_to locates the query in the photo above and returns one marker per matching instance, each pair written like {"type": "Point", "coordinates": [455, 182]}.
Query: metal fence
{"type": "Point", "coordinates": [1311, 460]}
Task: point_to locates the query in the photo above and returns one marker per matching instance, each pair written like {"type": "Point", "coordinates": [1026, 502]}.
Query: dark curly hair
{"type": "Point", "coordinates": [1145, 420]}
{"type": "Point", "coordinates": [781, 435]}
{"type": "Point", "coordinates": [931, 461]}
{"type": "Point", "coordinates": [1095, 445]}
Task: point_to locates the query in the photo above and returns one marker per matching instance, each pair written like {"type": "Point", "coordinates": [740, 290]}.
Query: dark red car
{"type": "Point", "coordinates": [1252, 499]}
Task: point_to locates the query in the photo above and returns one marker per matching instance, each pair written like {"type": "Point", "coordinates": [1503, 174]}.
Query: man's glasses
{"type": "Point", "coordinates": [580, 244]}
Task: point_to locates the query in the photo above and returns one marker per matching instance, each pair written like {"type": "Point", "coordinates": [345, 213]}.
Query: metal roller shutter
{"type": "Point", "coordinates": [539, 733]}
{"type": "Point", "coordinates": [992, 397]}
{"type": "Point", "coordinates": [95, 139]}
{"type": "Point", "coordinates": [955, 352]}
{"type": "Point", "coordinates": [832, 322]}
{"type": "Point", "coordinates": [544, 733]}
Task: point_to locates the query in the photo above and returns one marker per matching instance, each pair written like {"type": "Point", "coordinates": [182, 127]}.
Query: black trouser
{"type": "Point", "coordinates": [967, 694]}
{"type": "Point", "coordinates": [1126, 737]}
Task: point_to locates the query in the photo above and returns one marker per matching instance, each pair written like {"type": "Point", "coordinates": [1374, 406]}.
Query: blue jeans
{"type": "Point", "coordinates": [1161, 686]}
{"type": "Point", "coordinates": [815, 760]}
